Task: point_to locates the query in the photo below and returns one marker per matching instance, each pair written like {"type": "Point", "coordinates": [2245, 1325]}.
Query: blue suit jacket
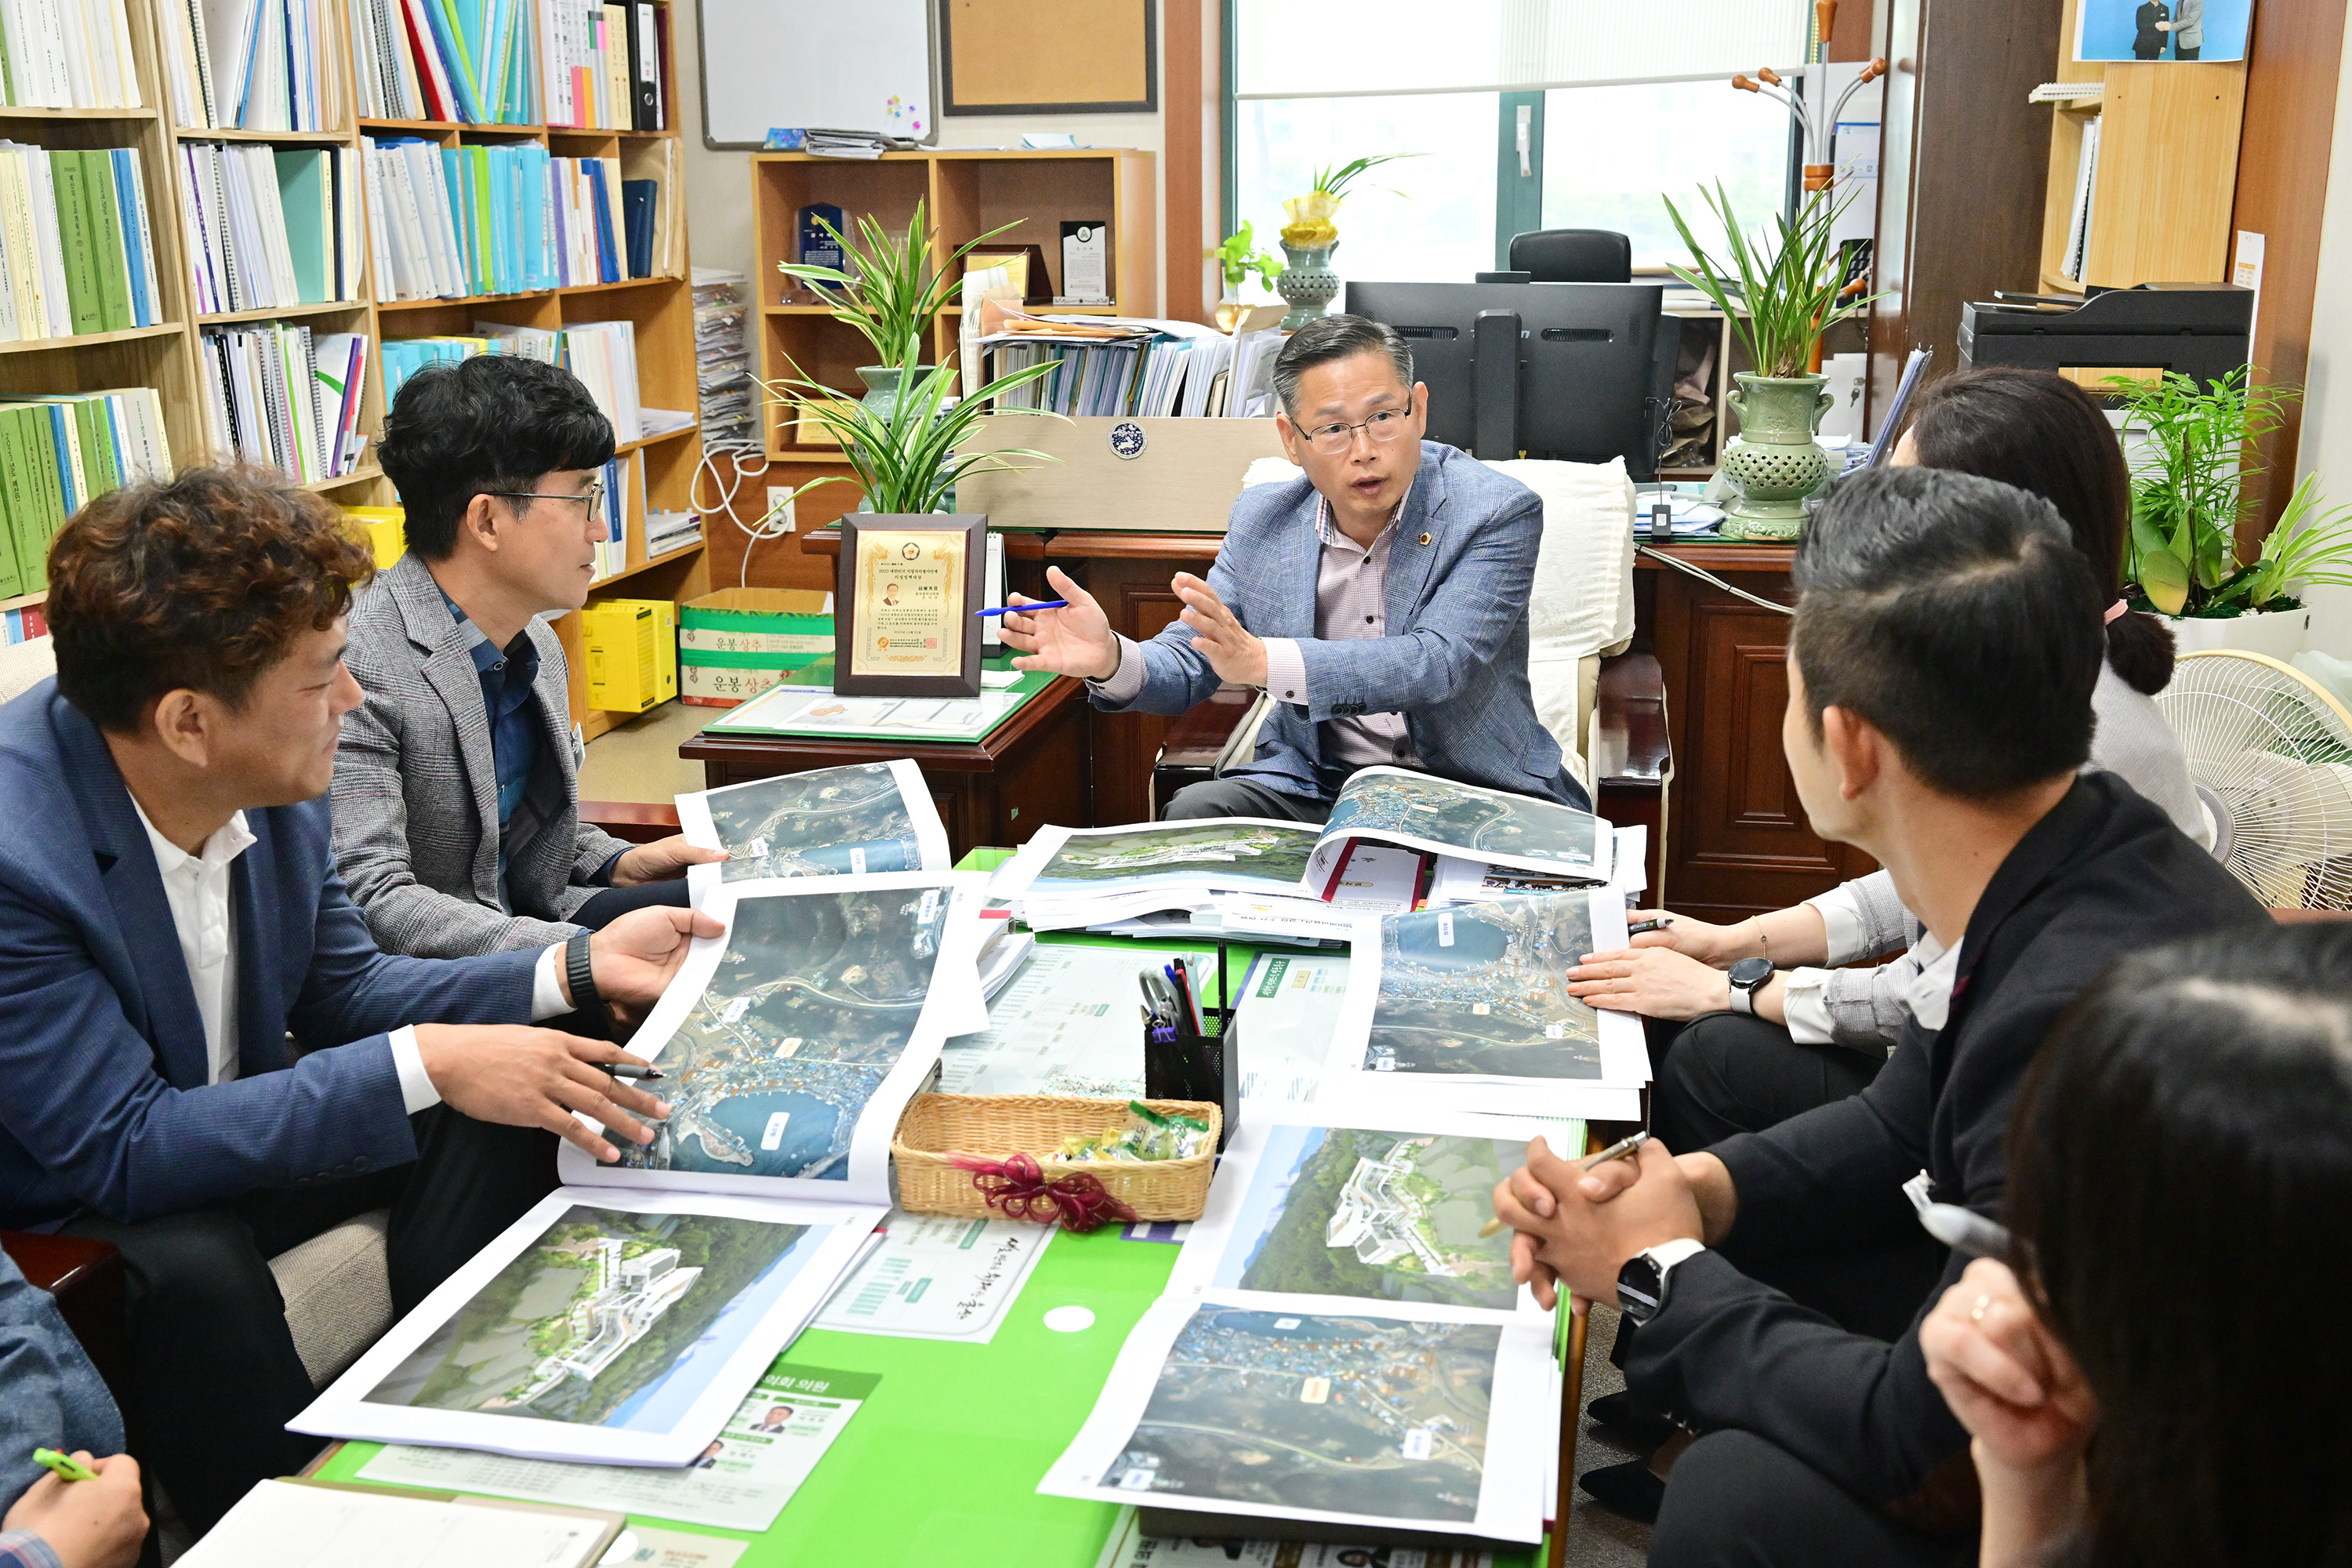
{"type": "Point", "coordinates": [103, 1098]}
{"type": "Point", "coordinates": [1454, 662]}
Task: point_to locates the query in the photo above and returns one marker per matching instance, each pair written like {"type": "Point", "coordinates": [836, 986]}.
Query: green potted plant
{"type": "Point", "coordinates": [2189, 496]}
{"type": "Point", "coordinates": [1310, 237]}
{"type": "Point", "coordinates": [1237, 259]}
{"type": "Point", "coordinates": [1781, 305]}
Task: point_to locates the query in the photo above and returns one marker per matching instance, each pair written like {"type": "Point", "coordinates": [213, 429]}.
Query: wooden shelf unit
{"type": "Point", "coordinates": [662, 307]}
{"type": "Point", "coordinates": [2167, 173]}
{"type": "Point", "coordinates": [967, 193]}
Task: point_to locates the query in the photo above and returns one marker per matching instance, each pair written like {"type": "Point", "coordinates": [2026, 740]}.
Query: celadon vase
{"type": "Point", "coordinates": [1774, 462]}
{"type": "Point", "coordinates": [882, 385]}
{"type": "Point", "coordinates": [1308, 284]}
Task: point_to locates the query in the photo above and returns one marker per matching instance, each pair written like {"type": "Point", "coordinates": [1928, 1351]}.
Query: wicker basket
{"type": "Point", "coordinates": [993, 1126]}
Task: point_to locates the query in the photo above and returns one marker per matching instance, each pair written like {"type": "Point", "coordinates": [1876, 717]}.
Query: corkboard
{"type": "Point", "coordinates": [1031, 57]}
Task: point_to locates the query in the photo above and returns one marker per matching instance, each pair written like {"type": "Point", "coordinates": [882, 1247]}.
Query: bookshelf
{"type": "Point", "coordinates": [2167, 169]}
{"type": "Point", "coordinates": [169, 357]}
{"type": "Point", "coordinates": [967, 193]}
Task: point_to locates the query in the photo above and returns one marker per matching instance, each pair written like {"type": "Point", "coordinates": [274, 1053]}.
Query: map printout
{"type": "Point", "coordinates": [864, 817]}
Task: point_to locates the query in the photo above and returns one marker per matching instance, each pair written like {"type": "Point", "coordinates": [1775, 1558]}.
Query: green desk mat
{"type": "Point", "coordinates": [942, 1465]}
{"type": "Point", "coordinates": [821, 674]}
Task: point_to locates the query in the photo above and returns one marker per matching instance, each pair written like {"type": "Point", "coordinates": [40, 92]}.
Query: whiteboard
{"type": "Point", "coordinates": [832, 65]}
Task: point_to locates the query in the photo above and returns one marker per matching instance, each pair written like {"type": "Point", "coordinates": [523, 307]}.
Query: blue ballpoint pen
{"type": "Point", "coordinates": [1025, 609]}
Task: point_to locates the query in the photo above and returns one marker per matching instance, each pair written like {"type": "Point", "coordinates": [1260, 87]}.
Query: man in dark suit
{"type": "Point", "coordinates": [1940, 683]}
{"type": "Point", "coordinates": [173, 936]}
{"type": "Point", "coordinates": [2152, 28]}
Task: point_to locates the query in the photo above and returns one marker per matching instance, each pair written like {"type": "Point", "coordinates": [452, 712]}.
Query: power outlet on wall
{"type": "Point", "coordinates": [781, 496]}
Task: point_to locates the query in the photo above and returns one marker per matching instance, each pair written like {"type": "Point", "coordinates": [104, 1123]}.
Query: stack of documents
{"type": "Point", "coordinates": [67, 54]}
{"type": "Point", "coordinates": [252, 65]}
{"type": "Point", "coordinates": [722, 358]}
{"type": "Point", "coordinates": [281, 398]}
{"type": "Point", "coordinates": [270, 227]}
{"type": "Point", "coordinates": [76, 244]}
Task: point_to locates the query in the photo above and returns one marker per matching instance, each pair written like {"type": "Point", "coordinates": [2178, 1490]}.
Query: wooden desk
{"type": "Point", "coordinates": [1736, 840]}
{"type": "Point", "coordinates": [1030, 770]}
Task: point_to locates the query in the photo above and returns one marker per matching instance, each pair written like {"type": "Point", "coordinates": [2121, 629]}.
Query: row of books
{"type": "Point", "coordinates": [613, 552]}
{"type": "Point", "coordinates": [1160, 373]}
{"type": "Point", "coordinates": [76, 246]}
{"type": "Point", "coordinates": [453, 222]}
{"type": "Point", "coordinates": [511, 62]}
{"type": "Point", "coordinates": [56, 454]}
{"type": "Point", "coordinates": [602, 354]}
{"type": "Point", "coordinates": [279, 397]}
{"type": "Point", "coordinates": [252, 65]}
{"type": "Point", "coordinates": [270, 227]}
{"type": "Point", "coordinates": [67, 54]}
{"type": "Point", "coordinates": [23, 625]}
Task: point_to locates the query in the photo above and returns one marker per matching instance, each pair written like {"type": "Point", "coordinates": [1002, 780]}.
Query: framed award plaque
{"type": "Point", "coordinates": [904, 598]}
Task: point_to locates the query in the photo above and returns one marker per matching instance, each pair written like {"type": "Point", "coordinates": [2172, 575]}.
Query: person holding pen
{"type": "Point", "coordinates": [2179, 1165]}
{"type": "Point", "coordinates": [50, 1397]}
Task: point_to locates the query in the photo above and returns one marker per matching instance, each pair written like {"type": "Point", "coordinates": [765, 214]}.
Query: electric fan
{"type": "Point", "coordinates": [2273, 750]}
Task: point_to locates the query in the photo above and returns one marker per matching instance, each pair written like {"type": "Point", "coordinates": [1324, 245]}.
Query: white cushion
{"type": "Point", "coordinates": [338, 1291]}
{"type": "Point", "coordinates": [26, 665]}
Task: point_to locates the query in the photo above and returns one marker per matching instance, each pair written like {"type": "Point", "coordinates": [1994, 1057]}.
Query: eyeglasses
{"type": "Point", "coordinates": [592, 498]}
{"type": "Point", "coordinates": [1384, 427]}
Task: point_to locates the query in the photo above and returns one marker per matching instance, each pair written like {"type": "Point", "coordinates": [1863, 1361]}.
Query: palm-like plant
{"type": "Point", "coordinates": [894, 294]}
{"type": "Point", "coordinates": [1786, 301]}
{"type": "Point", "coordinates": [906, 455]}
{"type": "Point", "coordinates": [2188, 493]}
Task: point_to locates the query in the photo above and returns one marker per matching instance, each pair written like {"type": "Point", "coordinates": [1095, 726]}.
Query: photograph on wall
{"type": "Point", "coordinates": [1272, 1405]}
{"type": "Point", "coordinates": [2162, 29]}
{"type": "Point", "coordinates": [831, 822]}
{"type": "Point", "coordinates": [614, 1327]}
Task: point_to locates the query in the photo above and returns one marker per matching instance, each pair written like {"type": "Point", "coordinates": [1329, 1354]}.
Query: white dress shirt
{"type": "Point", "coordinates": [197, 889]}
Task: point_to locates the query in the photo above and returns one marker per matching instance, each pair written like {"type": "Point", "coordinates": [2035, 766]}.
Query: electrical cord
{"type": "Point", "coordinates": [1712, 581]}
{"type": "Point", "coordinates": [727, 482]}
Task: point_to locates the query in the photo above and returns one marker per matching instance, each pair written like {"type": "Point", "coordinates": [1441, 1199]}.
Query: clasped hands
{"type": "Point", "coordinates": [1577, 1228]}
{"type": "Point", "coordinates": [1078, 639]}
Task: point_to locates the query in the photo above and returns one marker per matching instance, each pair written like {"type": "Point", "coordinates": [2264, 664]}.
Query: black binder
{"type": "Point", "coordinates": [644, 65]}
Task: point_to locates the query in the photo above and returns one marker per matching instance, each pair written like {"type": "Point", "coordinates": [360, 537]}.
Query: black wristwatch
{"type": "Point", "coordinates": [1747, 977]}
{"type": "Point", "coordinates": [1642, 1283]}
{"type": "Point", "coordinates": [580, 974]}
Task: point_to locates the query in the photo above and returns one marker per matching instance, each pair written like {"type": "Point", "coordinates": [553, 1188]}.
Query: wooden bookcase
{"type": "Point", "coordinates": [967, 193]}
{"type": "Point", "coordinates": [2166, 172]}
{"type": "Point", "coordinates": [168, 356]}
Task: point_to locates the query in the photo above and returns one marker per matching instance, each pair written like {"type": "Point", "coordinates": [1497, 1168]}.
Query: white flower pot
{"type": "Point", "coordinates": [2277, 633]}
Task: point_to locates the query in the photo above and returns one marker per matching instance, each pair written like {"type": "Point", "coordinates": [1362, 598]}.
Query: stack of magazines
{"type": "Point", "coordinates": [722, 358]}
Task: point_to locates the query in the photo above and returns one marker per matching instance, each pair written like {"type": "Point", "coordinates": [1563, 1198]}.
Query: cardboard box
{"type": "Point", "coordinates": [738, 642]}
{"type": "Point", "coordinates": [664, 615]}
{"type": "Point", "coordinates": [386, 528]}
{"type": "Point", "coordinates": [618, 640]}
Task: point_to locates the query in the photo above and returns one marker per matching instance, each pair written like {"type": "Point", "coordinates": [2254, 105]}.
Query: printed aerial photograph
{"type": "Point", "coordinates": [813, 1003]}
{"type": "Point", "coordinates": [611, 1319]}
{"type": "Point", "coordinates": [1344, 1414]}
{"type": "Point", "coordinates": [808, 825]}
{"type": "Point", "coordinates": [1475, 821]}
{"type": "Point", "coordinates": [1483, 988]}
{"type": "Point", "coordinates": [1227, 854]}
{"type": "Point", "coordinates": [1393, 1216]}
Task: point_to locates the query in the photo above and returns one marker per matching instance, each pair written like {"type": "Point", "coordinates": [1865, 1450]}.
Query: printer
{"type": "Point", "coordinates": [2199, 329]}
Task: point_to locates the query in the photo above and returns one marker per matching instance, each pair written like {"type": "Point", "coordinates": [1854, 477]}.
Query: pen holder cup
{"type": "Point", "coordinates": [937, 1128]}
{"type": "Point", "coordinates": [1201, 1066]}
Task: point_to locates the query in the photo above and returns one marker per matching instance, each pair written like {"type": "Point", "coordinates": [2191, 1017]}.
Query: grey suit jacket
{"type": "Point", "coordinates": [1454, 662]}
{"type": "Point", "coordinates": [417, 788]}
{"type": "Point", "coordinates": [2188, 24]}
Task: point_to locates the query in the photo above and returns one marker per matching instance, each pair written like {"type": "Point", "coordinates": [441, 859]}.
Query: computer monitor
{"type": "Point", "coordinates": [1548, 369]}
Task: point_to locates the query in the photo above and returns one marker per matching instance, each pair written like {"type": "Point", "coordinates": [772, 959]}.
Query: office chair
{"type": "Point", "coordinates": [1573, 256]}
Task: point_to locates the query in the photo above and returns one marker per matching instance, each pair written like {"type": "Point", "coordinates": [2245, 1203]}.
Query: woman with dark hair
{"type": "Point", "coordinates": [2162, 1381]}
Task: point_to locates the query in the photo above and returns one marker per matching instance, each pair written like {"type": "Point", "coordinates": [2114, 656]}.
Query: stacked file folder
{"type": "Point", "coordinates": [255, 65]}
{"type": "Point", "coordinates": [55, 453]}
{"type": "Point", "coordinates": [270, 227]}
{"type": "Point", "coordinates": [279, 397]}
{"type": "Point", "coordinates": [722, 358]}
{"type": "Point", "coordinates": [76, 244]}
{"type": "Point", "coordinates": [67, 54]}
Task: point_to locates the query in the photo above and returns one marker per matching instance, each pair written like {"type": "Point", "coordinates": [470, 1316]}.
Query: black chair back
{"type": "Point", "coordinates": [1573, 256]}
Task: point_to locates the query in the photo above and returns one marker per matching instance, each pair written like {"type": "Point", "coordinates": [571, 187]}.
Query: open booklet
{"type": "Point", "coordinates": [623, 1319]}
{"type": "Point", "coordinates": [1080, 874]}
{"type": "Point", "coordinates": [1339, 1344]}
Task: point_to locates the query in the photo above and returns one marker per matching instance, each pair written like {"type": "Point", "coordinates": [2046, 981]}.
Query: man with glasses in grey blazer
{"type": "Point", "coordinates": [1380, 600]}
{"type": "Point", "coordinates": [456, 793]}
